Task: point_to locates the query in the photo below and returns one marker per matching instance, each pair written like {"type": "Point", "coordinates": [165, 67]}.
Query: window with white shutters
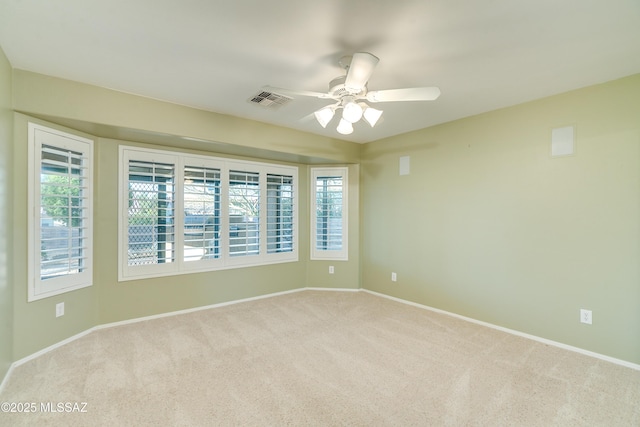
{"type": "Point", "coordinates": [329, 213]}
{"type": "Point", "coordinates": [182, 213]}
{"type": "Point", "coordinates": [280, 204]}
{"type": "Point", "coordinates": [60, 199]}
{"type": "Point", "coordinates": [244, 213]}
{"type": "Point", "coordinates": [150, 213]}
{"type": "Point", "coordinates": [201, 192]}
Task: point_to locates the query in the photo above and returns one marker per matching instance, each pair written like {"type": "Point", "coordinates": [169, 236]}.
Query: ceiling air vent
{"type": "Point", "coordinates": [269, 99]}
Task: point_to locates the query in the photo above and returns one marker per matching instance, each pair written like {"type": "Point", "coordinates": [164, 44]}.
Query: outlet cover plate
{"type": "Point", "coordinates": [586, 316]}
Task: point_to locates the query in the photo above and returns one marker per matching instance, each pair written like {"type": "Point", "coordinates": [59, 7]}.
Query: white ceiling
{"type": "Point", "coordinates": [216, 54]}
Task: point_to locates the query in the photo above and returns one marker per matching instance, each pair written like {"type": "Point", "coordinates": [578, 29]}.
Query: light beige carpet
{"type": "Point", "coordinates": [320, 359]}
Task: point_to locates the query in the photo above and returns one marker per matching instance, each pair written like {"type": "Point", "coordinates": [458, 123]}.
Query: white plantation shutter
{"type": "Point", "coordinates": [329, 213]}
{"type": "Point", "coordinates": [60, 187]}
{"type": "Point", "coordinates": [244, 213]}
{"type": "Point", "coordinates": [183, 213]}
{"type": "Point", "coordinates": [151, 218]}
{"type": "Point", "coordinates": [201, 192]}
{"type": "Point", "coordinates": [280, 213]}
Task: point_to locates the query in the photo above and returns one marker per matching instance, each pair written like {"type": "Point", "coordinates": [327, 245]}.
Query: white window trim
{"type": "Point", "coordinates": [318, 254]}
{"type": "Point", "coordinates": [180, 160]}
{"type": "Point", "coordinates": [39, 289]}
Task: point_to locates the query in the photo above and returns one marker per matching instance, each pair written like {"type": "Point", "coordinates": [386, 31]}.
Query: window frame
{"type": "Point", "coordinates": [39, 135]}
{"type": "Point", "coordinates": [320, 254]}
{"type": "Point", "coordinates": [224, 261]}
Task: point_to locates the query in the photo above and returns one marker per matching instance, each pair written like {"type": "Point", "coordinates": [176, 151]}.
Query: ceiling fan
{"type": "Point", "coordinates": [351, 94]}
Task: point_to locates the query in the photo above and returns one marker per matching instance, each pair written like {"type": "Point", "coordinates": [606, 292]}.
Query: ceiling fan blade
{"type": "Point", "coordinates": [293, 93]}
{"type": "Point", "coordinates": [360, 70]}
{"type": "Point", "coordinates": [408, 94]}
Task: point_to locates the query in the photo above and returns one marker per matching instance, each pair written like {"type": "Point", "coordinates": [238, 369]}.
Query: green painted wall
{"type": "Point", "coordinates": [489, 226]}
{"type": "Point", "coordinates": [119, 115]}
{"type": "Point", "coordinates": [138, 298]}
{"type": "Point", "coordinates": [115, 118]}
{"type": "Point", "coordinates": [35, 325]}
{"type": "Point", "coordinates": [6, 191]}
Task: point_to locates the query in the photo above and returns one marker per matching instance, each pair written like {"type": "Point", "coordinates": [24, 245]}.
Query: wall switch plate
{"type": "Point", "coordinates": [60, 309]}
{"type": "Point", "coordinates": [394, 277]}
{"type": "Point", "coordinates": [331, 269]}
{"type": "Point", "coordinates": [586, 316]}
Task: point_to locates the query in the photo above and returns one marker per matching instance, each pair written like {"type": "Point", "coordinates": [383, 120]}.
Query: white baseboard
{"type": "Point", "coordinates": [332, 289]}
{"type": "Point", "coordinates": [6, 377]}
{"type": "Point", "coordinates": [513, 332]}
{"type": "Point", "coordinates": [51, 347]}
{"type": "Point", "coordinates": [275, 294]}
{"type": "Point", "coordinates": [194, 309]}
{"type": "Point", "coordinates": [40, 353]}
{"type": "Point", "coordinates": [129, 321]}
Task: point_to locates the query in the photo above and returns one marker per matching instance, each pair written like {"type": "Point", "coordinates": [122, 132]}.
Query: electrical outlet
{"type": "Point", "coordinates": [331, 269]}
{"type": "Point", "coordinates": [586, 316]}
{"type": "Point", "coordinates": [60, 309]}
{"type": "Point", "coordinates": [394, 277]}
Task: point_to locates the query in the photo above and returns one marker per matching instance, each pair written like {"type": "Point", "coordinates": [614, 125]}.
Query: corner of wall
{"type": "Point", "coordinates": [6, 196]}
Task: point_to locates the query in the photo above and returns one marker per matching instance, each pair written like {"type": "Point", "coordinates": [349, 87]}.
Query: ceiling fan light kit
{"type": "Point", "coordinates": [345, 127]}
{"type": "Point", "coordinates": [371, 115]}
{"type": "Point", "coordinates": [324, 115]}
{"type": "Point", "coordinates": [351, 111]}
{"type": "Point", "coordinates": [350, 91]}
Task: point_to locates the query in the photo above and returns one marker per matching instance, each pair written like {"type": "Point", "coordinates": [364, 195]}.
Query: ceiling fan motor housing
{"type": "Point", "coordinates": [337, 88]}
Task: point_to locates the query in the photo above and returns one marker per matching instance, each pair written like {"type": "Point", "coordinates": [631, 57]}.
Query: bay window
{"type": "Point", "coordinates": [181, 213]}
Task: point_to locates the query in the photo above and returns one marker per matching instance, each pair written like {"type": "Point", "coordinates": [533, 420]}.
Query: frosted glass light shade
{"type": "Point", "coordinates": [371, 115]}
{"type": "Point", "coordinates": [324, 116]}
{"type": "Point", "coordinates": [352, 112]}
{"type": "Point", "coordinates": [345, 127]}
